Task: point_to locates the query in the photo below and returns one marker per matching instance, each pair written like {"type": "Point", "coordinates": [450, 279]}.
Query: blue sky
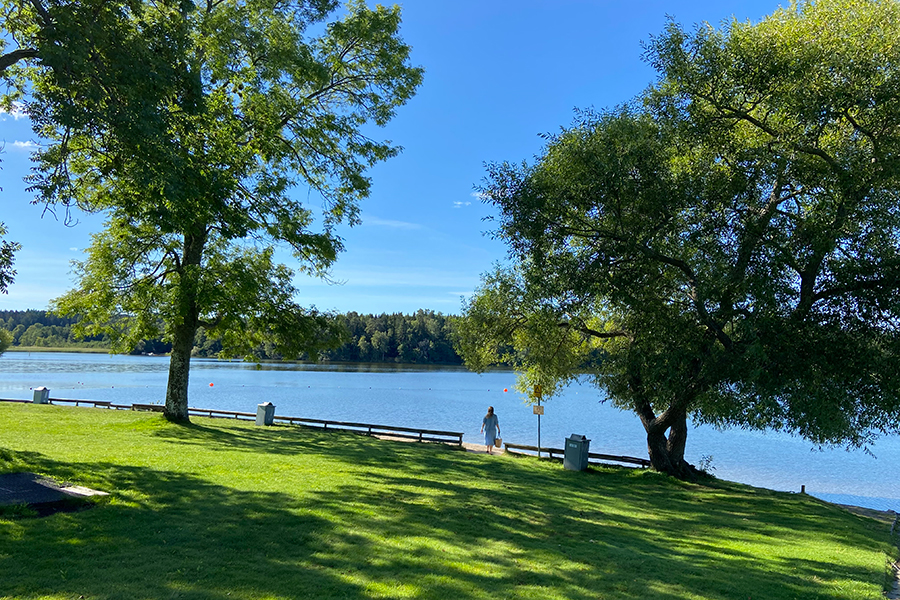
{"type": "Point", "coordinates": [497, 75]}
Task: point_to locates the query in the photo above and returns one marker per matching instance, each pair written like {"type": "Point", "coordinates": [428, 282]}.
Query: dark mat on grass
{"type": "Point", "coordinates": [29, 488]}
{"type": "Point", "coordinates": [42, 494]}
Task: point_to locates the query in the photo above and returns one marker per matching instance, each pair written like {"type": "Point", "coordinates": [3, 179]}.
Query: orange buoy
{"type": "Point", "coordinates": [505, 390]}
{"type": "Point", "coordinates": [210, 385]}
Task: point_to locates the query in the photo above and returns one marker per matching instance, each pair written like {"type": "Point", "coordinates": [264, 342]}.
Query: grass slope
{"type": "Point", "coordinates": [222, 509]}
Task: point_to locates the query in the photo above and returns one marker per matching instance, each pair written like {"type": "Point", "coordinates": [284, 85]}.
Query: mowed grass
{"type": "Point", "coordinates": [223, 509]}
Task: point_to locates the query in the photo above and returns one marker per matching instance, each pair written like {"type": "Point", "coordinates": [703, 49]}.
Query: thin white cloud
{"type": "Point", "coordinates": [479, 195]}
{"type": "Point", "coordinates": [386, 278]}
{"type": "Point", "coordinates": [18, 112]}
{"type": "Point", "coordinates": [390, 223]}
{"type": "Point", "coordinates": [20, 146]}
{"type": "Point", "coordinates": [461, 204]}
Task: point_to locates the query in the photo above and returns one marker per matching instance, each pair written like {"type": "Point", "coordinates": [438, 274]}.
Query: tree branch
{"type": "Point", "coordinates": [42, 11]}
{"type": "Point", "coordinates": [892, 283]}
{"type": "Point", "coordinates": [594, 332]}
{"type": "Point", "coordinates": [11, 58]}
{"type": "Point", "coordinates": [736, 113]}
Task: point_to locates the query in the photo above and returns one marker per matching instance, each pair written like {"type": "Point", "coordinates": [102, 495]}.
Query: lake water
{"type": "Point", "coordinates": [455, 400]}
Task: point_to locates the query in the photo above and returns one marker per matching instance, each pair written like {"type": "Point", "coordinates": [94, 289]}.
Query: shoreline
{"type": "Point", "coordinates": [356, 400]}
{"type": "Point", "coordinates": [79, 350]}
{"type": "Point", "coordinates": [82, 350]}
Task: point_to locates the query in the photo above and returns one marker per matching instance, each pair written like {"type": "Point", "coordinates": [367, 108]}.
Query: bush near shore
{"type": "Point", "coordinates": [220, 509]}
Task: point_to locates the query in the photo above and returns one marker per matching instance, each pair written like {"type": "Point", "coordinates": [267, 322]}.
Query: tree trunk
{"type": "Point", "coordinates": [179, 369]}
{"type": "Point", "coordinates": [188, 310]}
{"type": "Point", "coordinates": [667, 452]}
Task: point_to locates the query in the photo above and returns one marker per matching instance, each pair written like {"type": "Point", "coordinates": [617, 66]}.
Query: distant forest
{"type": "Point", "coordinates": [423, 338]}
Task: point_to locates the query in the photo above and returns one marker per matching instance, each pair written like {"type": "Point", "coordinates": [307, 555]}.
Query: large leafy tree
{"type": "Point", "coordinates": [7, 248]}
{"type": "Point", "coordinates": [190, 126]}
{"type": "Point", "coordinates": [728, 247]}
{"type": "Point", "coordinates": [7, 259]}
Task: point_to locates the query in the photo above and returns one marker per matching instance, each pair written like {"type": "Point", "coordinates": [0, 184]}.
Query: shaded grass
{"type": "Point", "coordinates": [223, 509]}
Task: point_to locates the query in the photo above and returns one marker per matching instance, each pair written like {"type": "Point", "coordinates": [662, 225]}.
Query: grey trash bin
{"type": "Point", "coordinates": [41, 395]}
{"type": "Point", "coordinates": [575, 457]}
{"type": "Point", "coordinates": [265, 413]}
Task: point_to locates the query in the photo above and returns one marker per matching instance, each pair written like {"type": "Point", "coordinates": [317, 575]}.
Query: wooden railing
{"type": "Point", "coordinates": [410, 433]}
{"type": "Point", "coordinates": [219, 414]}
{"type": "Point", "coordinates": [559, 453]}
{"type": "Point", "coordinates": [421, 435]}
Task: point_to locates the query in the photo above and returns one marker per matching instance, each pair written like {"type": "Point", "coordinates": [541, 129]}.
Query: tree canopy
{"type": "Point", "coordinates": [726, 247]}
{"type": "Point", "coordinates": [191, 126]}
{"type": "Point", "coordinates": [8, 251]}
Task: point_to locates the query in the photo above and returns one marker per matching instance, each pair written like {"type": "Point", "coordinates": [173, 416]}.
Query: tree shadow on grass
{"type": "Point", "coordinates": [168, 534]}
{"type": "Point", "coordinates": [414, 520]}
{"type": "Point", "coordinates": [580, 550]}
{"type": "Point", "coordinates": [606, 529]}
{"type": "Point", "coordinates": [622, 523]}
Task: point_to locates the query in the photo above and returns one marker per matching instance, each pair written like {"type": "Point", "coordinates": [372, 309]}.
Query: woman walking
{"type": "Point", "coordinates": [490, 427]}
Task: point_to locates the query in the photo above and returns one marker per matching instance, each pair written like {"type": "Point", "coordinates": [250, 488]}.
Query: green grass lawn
{"type": "Point", "coordinates": [223, 509]}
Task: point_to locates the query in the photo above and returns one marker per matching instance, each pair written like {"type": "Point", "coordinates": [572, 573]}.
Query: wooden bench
{"type": "Point", "coordinates": [100, 403]}
{"type": "Point", "coordinates": [150, 407]}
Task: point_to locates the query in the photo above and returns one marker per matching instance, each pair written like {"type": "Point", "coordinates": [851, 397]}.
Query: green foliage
{"type": "Point", "coordinates": [6, 340]}
{"type": "Point", "coordinates": [190, 127]}
{"type": "Point", "coordinates": [423, 338]}
{"type": "Point", "coordinates": [507, 324]}
{"type": "Point", "coordinates": [38, 328]}
{"type": "Point", "coordinates": [729, 242]}
{"type": "Point", "coordinates": [7, 258]}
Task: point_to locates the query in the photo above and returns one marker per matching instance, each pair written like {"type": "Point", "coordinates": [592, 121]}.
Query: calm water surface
{"type": "Point", "coordinates": [455, 400]}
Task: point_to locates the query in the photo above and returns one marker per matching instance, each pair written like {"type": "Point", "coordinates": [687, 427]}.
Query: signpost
{"type": "Point", "coordinates": [538, 410]}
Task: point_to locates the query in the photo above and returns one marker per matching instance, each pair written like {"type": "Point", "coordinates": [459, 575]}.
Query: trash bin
{"type": "Point", "coordinates": [41, 395]}
{"type": "Point", "coordinates": [575, 457]}
{"type": "Point", "coordinates": [265, 413]}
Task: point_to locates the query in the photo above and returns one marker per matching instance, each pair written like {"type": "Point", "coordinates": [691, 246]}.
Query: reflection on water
{"type": "Point", "coordinates": [64, 362]}
{"type": "Point", "coordinates": [454, 399]}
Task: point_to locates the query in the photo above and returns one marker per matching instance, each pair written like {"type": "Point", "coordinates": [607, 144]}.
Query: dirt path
{"type": "Point", "coordinates": [894, 594]}
{"type": "Point", "coordinates": [480, 449]}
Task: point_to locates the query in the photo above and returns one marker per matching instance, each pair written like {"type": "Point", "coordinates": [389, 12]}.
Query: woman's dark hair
{"type": "Point", "coordinates": [490, 411]}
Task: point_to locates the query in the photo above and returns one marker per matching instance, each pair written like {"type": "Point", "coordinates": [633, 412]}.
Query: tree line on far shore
{"type": "Point", "coordinates": [425, 337]}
